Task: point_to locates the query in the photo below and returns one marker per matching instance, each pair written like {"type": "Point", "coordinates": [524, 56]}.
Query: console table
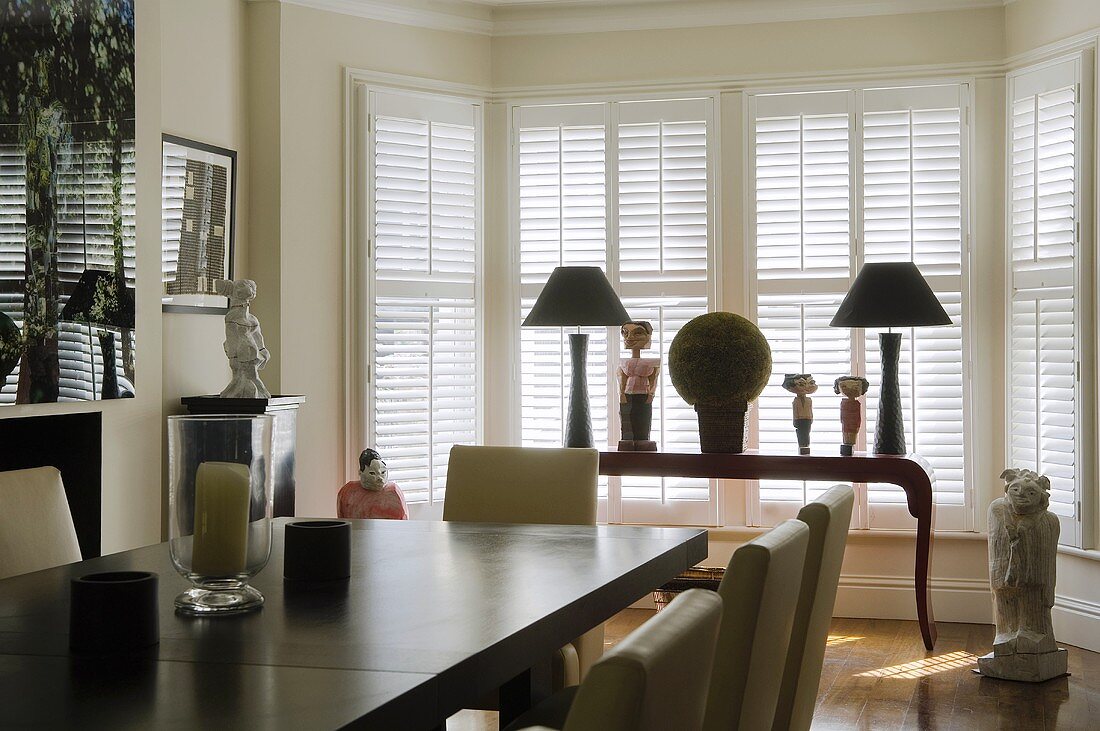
{"type": "Point", "coordinates": [911, 473]}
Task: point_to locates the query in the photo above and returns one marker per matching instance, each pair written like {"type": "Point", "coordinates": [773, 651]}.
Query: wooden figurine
{"type": "Point", "coordinates": [372, 495]}
{"type": "Point", "coordinates": [1023, 548]}
{"type": "Point", "coordinates": [802, 385]}
{"type": "Point", "coordinates": [851, 411]}
{"type": "Point", "coordinates": [637, 386]}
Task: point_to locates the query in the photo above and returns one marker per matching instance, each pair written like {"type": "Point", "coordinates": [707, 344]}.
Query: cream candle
{"type": "Point", "coordinates": [221, 519]}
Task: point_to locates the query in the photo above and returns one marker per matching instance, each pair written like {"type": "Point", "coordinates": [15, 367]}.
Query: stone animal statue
{"type": "Point", "coordinates": [244, 343]}
{"type": "Point", "coordinates": [372, 495]}
{"type": "Point", "coordinates": [1023, 548]}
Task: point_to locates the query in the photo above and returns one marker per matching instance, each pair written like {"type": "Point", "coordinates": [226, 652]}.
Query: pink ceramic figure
{"type": "Point", "coordinates": [371, 496]}
{"type": "Point", "coordinates": [637, 386]}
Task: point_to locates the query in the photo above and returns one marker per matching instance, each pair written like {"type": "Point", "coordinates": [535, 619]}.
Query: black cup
{"type": "Point", "coordinates": [113, 612]}
{"type": "Point", "coordinates": [317, 550]}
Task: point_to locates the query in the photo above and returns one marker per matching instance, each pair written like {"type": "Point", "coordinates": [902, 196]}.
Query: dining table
{"type": "Point", "coordinates": [435, 617]}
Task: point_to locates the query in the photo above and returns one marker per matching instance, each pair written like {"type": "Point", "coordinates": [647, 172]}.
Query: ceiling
{"type": "Point", "coordinates": [532, 17]}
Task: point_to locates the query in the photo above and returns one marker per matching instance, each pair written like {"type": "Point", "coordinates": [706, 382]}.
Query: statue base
{"type": "Point", "coordinates": [637, 445]}
{"type": "Point", "coordinates": [1026, 667]}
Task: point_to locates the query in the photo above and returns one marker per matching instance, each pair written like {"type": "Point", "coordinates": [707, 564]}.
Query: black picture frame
{"type": "Point", "coordinates": [203, 303]}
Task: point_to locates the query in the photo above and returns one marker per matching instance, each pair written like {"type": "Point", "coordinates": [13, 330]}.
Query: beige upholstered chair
{"type": "Point", "coordinates": [759, 595]}
{"type": "Point", "coordinates": [654, 680]}
{"type": "Point", "coordinates": [518, 485]}
{"type": "Point", "coordinates": [36, 528]}
{"type": "Point", "coordinates": [828, 519]}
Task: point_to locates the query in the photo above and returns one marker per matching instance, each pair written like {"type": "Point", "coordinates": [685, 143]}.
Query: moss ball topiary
{"type": "Point", "coordinates": [719, 359]}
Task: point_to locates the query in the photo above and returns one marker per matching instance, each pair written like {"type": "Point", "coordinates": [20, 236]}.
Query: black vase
{"type": "Point", "coordinates": [110, 374]}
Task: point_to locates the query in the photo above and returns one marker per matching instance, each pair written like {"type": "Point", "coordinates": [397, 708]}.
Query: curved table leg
{"type": "Point", "coordinates": [922, 570]}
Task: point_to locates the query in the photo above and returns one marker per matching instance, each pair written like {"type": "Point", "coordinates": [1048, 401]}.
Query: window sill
{"type": "Point", "coordinates": [745, 533]}
{"type": "Point", "coordinates": [1091, 554]}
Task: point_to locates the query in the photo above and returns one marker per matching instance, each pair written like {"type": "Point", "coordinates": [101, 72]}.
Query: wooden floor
{"type": "Point", "coordinates": [878, 676]}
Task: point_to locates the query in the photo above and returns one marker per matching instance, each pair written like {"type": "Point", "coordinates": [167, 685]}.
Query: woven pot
{"type": "Point", "coordinates": [722, 429]}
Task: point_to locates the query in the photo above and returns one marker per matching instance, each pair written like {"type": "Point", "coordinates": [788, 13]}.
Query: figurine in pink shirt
{"type": "Point", "coordinates": [851, 411]}
{"type": "Point", "coordinates": [637, 386]}
{"type": "Point", "coordinates": [371, 496]}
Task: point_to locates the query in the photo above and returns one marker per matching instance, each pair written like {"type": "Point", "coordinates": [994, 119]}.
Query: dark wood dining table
{"type": "Point", "coordinates": [435, 617]}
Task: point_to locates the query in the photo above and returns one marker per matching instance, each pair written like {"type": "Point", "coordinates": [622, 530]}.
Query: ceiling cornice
{"type": "Point", "coordinates": [539, 17]}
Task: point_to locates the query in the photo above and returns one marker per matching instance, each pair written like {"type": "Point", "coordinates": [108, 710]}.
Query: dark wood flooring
{"type": "Point", "coordinates": [877, 676]}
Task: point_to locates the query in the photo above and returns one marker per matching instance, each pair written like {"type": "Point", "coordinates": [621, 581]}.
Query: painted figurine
{"type": "Point", "coordinates": [1023, 548]}
{"type": "Point", "coordinates": [802, 385]}
{"type": "Point", "coordinates": [244, 343]}
{"type": "Point", "coordinates": [851, 411]}
{"type": "Point", "coordinates": [372, 495]}
{"type": "Point", "coordinates": [637, 386]}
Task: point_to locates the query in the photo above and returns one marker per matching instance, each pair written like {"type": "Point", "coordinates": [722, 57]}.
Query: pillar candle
{"type": "Point", "coordinates": [221, 519]}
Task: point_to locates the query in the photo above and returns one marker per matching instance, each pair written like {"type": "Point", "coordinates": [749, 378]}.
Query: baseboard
{"type": "Point", "coordinates": [893, 597]}
{"type": "Point", "coordinates": [1077, 622]}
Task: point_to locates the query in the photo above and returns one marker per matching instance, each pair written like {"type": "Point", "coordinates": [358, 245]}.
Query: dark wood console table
{"type": "Point", "coordinates": [911, 473]}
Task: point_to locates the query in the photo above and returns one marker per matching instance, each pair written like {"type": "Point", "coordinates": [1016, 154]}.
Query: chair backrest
{"type": "Point", "coordinates": [828, 519]}
{"type": "Point", "coordinates": [36, 527]}
{"type": "Point", "coordinates": [522, 485]}
{"type": "Point", "coordinates": [656, 679]}
{"type": "Point", "coordinates": [759, 595]}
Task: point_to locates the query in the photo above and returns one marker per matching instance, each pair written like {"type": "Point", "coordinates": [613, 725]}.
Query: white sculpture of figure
{"type": "Point", "coordinates": [1023, 546]}
{"type": "Point", "coordinates": [244, 343]}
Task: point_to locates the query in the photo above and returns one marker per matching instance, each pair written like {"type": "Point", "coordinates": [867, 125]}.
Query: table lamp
{"type": "Point", "coordinates": [577, 297]}
{"type": "Point", "coordinates": [890, 294]}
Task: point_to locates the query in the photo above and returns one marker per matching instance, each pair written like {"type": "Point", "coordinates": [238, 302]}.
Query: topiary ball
{"type": "Point", "coordinates": [719, 359]}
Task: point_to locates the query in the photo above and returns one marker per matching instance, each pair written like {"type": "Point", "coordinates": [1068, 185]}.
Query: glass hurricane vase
{"type": "Point", "coordinates": [219, 509]}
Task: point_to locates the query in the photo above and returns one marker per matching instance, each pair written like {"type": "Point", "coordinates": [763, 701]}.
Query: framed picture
{"type": "Point", "coordinates": [198, 196]}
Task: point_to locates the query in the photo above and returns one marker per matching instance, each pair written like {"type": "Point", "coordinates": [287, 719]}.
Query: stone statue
{"type": "Point", "coordinates": [372, 495]}
{"type": "Point", "coordinates": [637, 386]}
{"type": "Point", "coordinates": [801, 385]}
{"type": "Point", "coordinates": [1023, 546]}
{"type": "Point", "coordinates": [851, 411]}
{"type": "Point", "coordinates": [244, 344]}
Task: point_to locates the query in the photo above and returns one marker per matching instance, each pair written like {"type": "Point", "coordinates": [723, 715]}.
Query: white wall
{"type": "Point", "coordinates": [314, 47]}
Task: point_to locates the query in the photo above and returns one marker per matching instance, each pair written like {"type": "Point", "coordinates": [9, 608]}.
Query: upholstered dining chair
{"type": "Point", "coordinates": [523, 485]}
{"type": "Point", "coordinates": [759, 593]}
{"type": "Point", "coordinates": [36, 527]}
{"type": "Point", "coordinates": [654, 680]}
{"type": "Point", "coordinates": [828, 519]}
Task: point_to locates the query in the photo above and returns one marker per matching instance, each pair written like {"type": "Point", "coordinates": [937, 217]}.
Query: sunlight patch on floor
{"type": "Point", "coordinates": [834, 640]}
{"type": "Point", "coordinates": [924, 667]}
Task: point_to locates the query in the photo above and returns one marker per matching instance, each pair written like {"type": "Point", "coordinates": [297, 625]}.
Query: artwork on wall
{"type": "Point", "coordinates": [198, 196]}
{"type": "Point", "coordinates": [67, 194]}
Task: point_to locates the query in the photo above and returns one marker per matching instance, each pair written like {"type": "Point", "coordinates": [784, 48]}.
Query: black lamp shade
{"type": "Point", "coordinates": [890, 294]}
{"type": "Point", "coordinates": [79, 306]}
{"type": "Point", "coordinates": [577, 296]}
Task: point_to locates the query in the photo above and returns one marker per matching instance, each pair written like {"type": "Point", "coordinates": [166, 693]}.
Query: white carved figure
{"type": "Point", "coordinates": [1023, 547]}
{"type": "Point", "coordinates": [244, 344]}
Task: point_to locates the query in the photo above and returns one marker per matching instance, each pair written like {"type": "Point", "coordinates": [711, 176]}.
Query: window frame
{"type": "Point", "coordinates": [360, 288]}
{"type": "Point", "coordinates": [610, 509]}
{"type": "Point", "coordinates": [884, 516]}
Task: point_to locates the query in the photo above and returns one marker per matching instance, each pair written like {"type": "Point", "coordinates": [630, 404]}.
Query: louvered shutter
{"type": "Point", "coordinates": [562, 218]}
{"type": "Point", "coordinates": [663, 261]}
{"type": "Point", "coordinates": [802, 184]}
{"type": "Point", "coordinates": [627, 187]}
{"type": "Point", "coordinates": [1046, 319]}
{"type": "Point", "coordinates": [423, 186]}
{"type": "Point", "coordinates": [172, 185]}
{"type": "Point", "coordinates": [13, 245]}
{"type": "Point", "coordinates": [912, 204]}
{"type": "Point", "coordinates": [814, 222]}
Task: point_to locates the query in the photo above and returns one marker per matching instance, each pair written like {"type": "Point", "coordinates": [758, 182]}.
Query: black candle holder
{"type": "Point", "coordinates": [317, 550]}
{"type": "Point", "coordinates": [113, 612]}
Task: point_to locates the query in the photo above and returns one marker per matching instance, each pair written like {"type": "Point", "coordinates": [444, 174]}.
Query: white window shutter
{"type": "Point", "coordinates": [1045, 290]}
{"type": "Point", "coordinates": [814, 226]}
{"type": "Point", "coordinates": [654, 239]}
{"type": "Point", "coordinates": [423, 187]}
